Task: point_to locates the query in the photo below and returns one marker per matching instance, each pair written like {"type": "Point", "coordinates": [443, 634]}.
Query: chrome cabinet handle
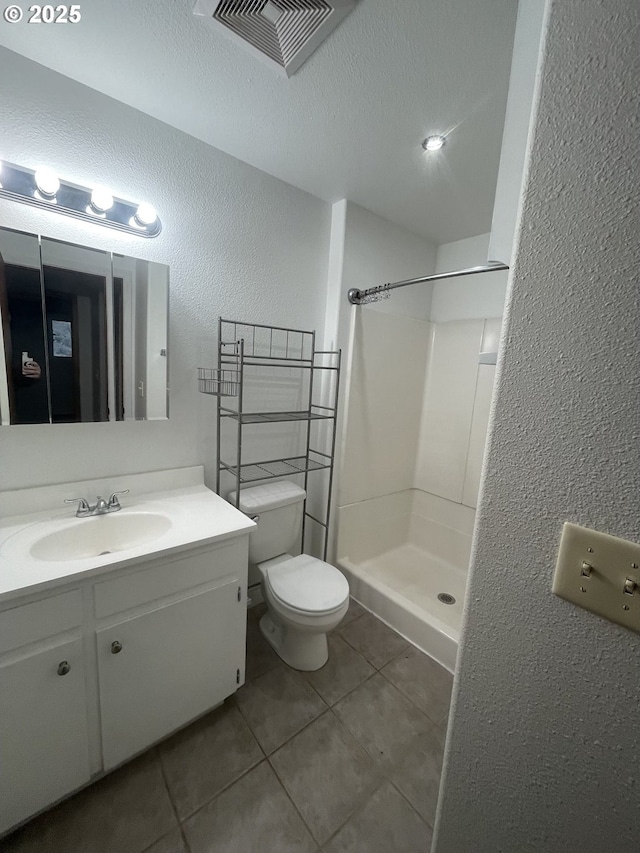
{"type": "Point", "coordinates": [64, 667]}
{"type": "Point", "coordinates": [116, 647]}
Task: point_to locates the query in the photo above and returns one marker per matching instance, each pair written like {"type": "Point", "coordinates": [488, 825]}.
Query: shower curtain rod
{"type": "Point", "coordinates": [373, 294]}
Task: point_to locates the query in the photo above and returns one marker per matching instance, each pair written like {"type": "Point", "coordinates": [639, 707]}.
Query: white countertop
{"type": "Point", "coordinates": [198, 517]}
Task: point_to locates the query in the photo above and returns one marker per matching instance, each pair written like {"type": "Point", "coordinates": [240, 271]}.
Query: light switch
{"type": "Point", "coordinates": [600, 573]}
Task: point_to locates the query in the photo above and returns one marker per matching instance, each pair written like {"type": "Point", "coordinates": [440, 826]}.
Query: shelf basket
{"type": "Point", "coordinates": [221, 383]}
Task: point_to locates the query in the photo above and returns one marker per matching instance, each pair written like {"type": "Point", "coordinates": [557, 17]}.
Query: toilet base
{"type": "Point", "coordinates": [300, 650]}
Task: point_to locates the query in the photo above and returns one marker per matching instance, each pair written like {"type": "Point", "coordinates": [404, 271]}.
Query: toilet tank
{"type": "Point", "coordinates": [279, 507]}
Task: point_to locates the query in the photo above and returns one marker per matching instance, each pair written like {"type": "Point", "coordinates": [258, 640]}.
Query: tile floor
{"type": "Point", "coordinates": [343, 760]}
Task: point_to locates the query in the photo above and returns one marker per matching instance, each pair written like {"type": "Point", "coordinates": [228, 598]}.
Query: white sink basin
{"type": "Point", "coordinates": [100, 534]}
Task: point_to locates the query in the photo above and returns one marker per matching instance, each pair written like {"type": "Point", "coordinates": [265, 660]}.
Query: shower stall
{"type": "Point", "coordinates": [417, 404]}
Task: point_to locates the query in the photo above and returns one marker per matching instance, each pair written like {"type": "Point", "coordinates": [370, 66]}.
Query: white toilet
{"type": "Point", "coordinates": [305, 597]}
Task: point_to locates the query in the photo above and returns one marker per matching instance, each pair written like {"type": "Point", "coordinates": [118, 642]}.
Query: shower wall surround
{"type": "Point", "coordinates": [455, 411]}
{"type": "Point", "coordinates": [235, 238]}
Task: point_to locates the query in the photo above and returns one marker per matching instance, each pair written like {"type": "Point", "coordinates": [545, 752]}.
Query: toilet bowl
{"type": "Point", "coordinates": [306, 597]}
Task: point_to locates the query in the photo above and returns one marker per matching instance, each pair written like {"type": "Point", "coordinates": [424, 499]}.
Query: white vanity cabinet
{"type": "Point", "coordinates": [44, 740]}
{"type": "Point", "coordinates": [161, 665]}
{"type": "Point", "coordinates": [93, 675]}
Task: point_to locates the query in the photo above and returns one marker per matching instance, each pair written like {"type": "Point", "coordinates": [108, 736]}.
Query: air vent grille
{"type": "Point", "coordinates": [285, 31]}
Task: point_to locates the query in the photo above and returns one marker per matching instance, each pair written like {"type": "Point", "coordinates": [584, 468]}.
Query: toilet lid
{"type": "Point", "coordinates": [306, 583]}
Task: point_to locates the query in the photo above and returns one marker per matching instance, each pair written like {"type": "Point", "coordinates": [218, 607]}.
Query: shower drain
{"type": "Point", "coordinates": [445, 598]}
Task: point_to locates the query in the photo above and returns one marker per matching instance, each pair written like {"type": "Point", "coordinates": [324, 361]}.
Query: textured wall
{"type": "Point", "coordinates": [239, 243]}
{"type": "Point", "coordinates": [544, 749]}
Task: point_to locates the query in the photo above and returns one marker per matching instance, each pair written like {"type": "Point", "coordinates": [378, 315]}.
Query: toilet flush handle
{"type": "Point", "coordinates": [255, 518]}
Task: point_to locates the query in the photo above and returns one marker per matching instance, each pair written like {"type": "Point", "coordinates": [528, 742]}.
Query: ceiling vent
{"type": "Point", "coordinates": [285, 32]}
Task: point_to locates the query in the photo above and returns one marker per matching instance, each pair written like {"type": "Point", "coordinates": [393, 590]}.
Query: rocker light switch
{"type": "Point", "coordinates": [600, 573]}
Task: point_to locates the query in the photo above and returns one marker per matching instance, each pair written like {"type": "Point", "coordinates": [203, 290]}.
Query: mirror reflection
{"type": "Point", "coordinates": [84, 333]}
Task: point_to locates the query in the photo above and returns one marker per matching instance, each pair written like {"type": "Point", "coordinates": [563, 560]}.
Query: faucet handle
{"type": "Point", "coordinates": [113, 500]}
{"type": "Point", "coordinates": [83, 506]}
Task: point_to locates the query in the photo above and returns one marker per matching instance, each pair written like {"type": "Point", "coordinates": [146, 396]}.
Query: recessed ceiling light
{"type": "Point", "coordinates": [433, 143]}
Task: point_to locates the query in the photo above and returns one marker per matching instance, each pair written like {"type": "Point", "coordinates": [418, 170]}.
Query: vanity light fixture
{"type": "Point", "coordinates": [47, 183]}
{"type": "Point", "coordinates": [145, 215]}
{"type": "Point", "coordinates": [101, 200]}
{"type": "Point", "coordinates": [42, 188]}
{"type": "Point", "coordinates": [433, 143]}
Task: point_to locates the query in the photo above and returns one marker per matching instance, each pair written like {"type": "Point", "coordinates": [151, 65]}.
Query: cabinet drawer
{"type": "Point", "coordinates": [161, 580]}
{"type": "Point", "coordinates": [29, 623]}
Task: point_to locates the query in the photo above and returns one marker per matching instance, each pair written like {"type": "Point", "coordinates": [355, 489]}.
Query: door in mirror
{"type": "Point", "coordinates": [76, 281]}
{"type": "Point", "coordinates": [24, 397]}
{"type": "Point", "coordinates": [140, 325]}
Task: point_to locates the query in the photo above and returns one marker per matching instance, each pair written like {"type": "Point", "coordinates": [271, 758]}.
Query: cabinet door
{"type": "Point", "coordinates": [44, 750]}
{"type": "Point", "coordinates": [160, 670]}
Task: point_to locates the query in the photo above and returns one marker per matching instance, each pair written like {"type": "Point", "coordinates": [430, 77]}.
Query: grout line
{"type": "Point", "coordinates": [171, 800]}
{"type": "Point", "coordinates": [292, 801]}
{"type": "Point", "coordinates": [353, 689]}
{"type": "Point", "coordinates": [360, 807]}
{"type": "Point", "coordinates": [219, 793]}
{"type": "Point", "coordinates": [413, 808]}
{"type": "Point", "coordinates": [409, 699]}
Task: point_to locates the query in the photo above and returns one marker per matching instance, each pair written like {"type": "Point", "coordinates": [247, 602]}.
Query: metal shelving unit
{"type": "Point", "coordinates": [253, 345]}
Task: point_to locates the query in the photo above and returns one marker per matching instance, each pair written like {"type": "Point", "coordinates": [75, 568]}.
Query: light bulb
{"type": "Point", "coordinates": [47, 182]}
{"type": "Point", "coordinates": [145, 214]}
{"type": "Point", "coordinates": [433, 143]}
{"type": "Point", "coordinates": [101, 200]}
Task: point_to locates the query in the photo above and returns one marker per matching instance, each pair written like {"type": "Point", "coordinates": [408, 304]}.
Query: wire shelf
{"type": "Point", "coordinates": [220, 383]}
{"type": "Point", "coordinates": [275, 468]}
{"type": "Point", "coordinates": [287, 354]}
{"type": "Point", "coordinates": [276, 417]}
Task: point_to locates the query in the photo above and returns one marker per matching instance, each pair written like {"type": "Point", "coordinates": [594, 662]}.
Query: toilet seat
{"type": "Point", "coordinates": [307, 585]}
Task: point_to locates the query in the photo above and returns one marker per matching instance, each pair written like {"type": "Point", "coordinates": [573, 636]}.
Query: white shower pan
{"type": "Point", "coordinates": [406, 556]}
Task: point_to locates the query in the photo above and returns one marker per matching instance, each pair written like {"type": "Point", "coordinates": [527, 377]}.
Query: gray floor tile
{"type": "Point", "coordinates": [373, 639]}
{"type": "Point", "coordinates": [326, 773]}
{"type": "Point", "coordinates": [386, 824]}
{"type": "Point", "coordinates": [382, 719]}
{"type": "Point", "coordinates": [171, 843]}
{"type": "Point", "coordinates": [355, 611]}
{"type": "Point", "coordinates": [207, 756]}
{"type": "Point", "coordinates": [252, 816]}
{"type": "Point", "coordinates": [344, 670]}
{"type": "Point", "coordinates": [126, 811]}
{"type": "Point", "coordinates": [422, 680]}
{"type": "Point", "coordinates": [260, 656]}
{"type": "Point", "coordinates": [417, 774]}
{"type": "Point", "coordinates": [278, 704]}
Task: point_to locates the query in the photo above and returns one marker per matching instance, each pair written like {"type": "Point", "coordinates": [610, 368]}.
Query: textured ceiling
{"type": "Point", "coordinates": [348, 124]}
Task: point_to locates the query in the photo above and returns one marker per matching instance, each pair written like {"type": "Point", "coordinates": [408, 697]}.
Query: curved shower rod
{"type": "Point", "coordinates": [373, 294]}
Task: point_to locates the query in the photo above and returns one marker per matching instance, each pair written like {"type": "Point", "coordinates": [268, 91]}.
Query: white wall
{"type": "Point", "coordinates": [466, 320]}
{"type": "Point", "coordinates": [383, 373]}
{"type": "Point", "coordinates": [387, 370]}
{"type": "Point", "coordinates": [366, 251]}
{"type": "Point", "coordinates": [543, 752]}
{"type": "Point", "coordinates": [239, 243]}
{"type": "Point", "coordinates": [470, 297]}
{"type": "Point", "coordinates": [517, 123]}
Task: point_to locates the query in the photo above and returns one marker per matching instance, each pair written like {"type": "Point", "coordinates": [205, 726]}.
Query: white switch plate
{"type": "Point", "coordinates": [614, 563]}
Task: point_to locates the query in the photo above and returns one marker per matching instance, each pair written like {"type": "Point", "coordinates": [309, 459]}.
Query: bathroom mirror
{"type": "Point", "coordinates": [83, 333]}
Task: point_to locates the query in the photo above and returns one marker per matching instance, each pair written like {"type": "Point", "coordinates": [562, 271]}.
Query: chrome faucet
{"type": "Point", "coordinates": [101, 506]}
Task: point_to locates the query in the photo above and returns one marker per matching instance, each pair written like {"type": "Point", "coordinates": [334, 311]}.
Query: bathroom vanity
{"type": "Point", "coordinates": [104, 654]}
